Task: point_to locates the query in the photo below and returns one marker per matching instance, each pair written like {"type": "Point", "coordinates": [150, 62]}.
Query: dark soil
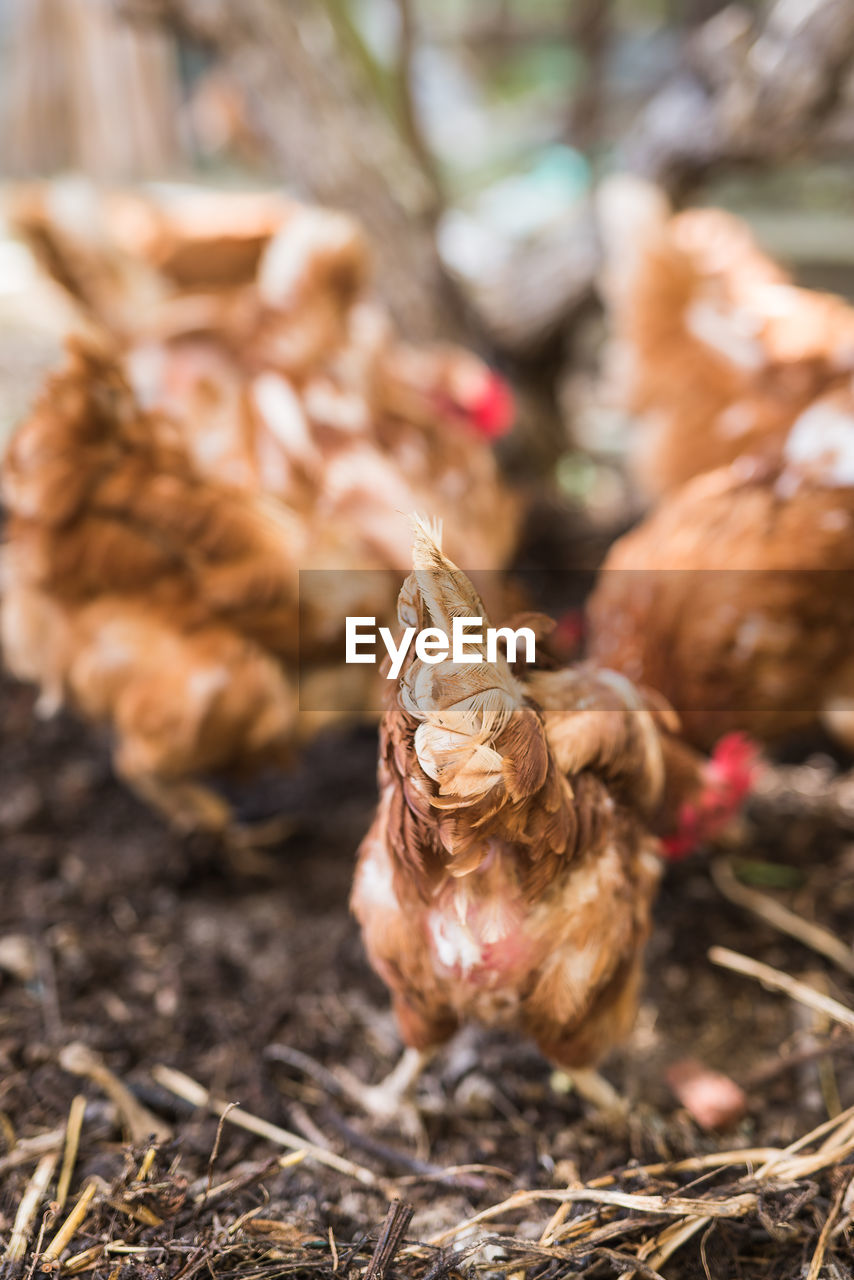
{"type": "Point", "coordinates": [152, 949]}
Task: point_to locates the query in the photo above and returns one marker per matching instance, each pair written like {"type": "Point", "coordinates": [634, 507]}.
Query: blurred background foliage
{"type": "Point", "coordinates": [467, 135]}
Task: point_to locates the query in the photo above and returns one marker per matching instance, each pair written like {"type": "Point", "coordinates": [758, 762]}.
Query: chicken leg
{"type": "Point", "coordinates": [389, 1101]}
{"type": "Point", "coordinates": [837, 713]}
{"type": "Point", "coordinates": [392, 1098]}
{"type": "Point", "coordinates": [593, 1088]}
{"type": "Point", "coordinates": [191, 806]}
{"type": "Point", "coordinates": [186, 806]}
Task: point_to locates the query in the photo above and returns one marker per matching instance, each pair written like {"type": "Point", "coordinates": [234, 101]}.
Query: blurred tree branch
{"type": "Point", "coordinates": [407, 105]}
{"type": "Point", "coordinates": [394, 90]}
{"type": "Point", "coordinates": [755, 89]}
{"type": "Point", "coordinates": [499, 30]}
{"type": "Point", "coordinates": [752, 92]}
{"type": "Point", "coordinates": [691, 13]}
{"type": "Point", "coordinates": [350, 38]}
{"type": "Point", "coordinates": [589, 30]}
{"type": "Point", "coordinates": [315, 107]}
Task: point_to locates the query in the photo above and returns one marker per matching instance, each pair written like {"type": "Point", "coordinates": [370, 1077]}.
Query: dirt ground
{"type": "Point", "coordinates": [152, 949]}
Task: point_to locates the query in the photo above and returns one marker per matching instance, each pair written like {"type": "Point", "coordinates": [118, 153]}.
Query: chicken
{"type": "Point", "coordinates": [716, 351]}
{"type": "Point", "coordinates": [734, 598]}
{"type": "Point", "coordinates": [510, 870]}
{"type": "Point", "coordinates": [160, 602]}
{"type": "Point", "coordinates": [130, 261]}
{"type": "Point", "coordinates": [247, 319]}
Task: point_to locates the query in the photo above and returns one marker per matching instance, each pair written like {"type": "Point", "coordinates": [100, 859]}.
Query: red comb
{"type": "Point", "coordinates": [493, 409]}
{"type": "Point", "coordinates": [735, 762]}
{"type": "Point", "coordinates": [729, 777]}
{"type": "Point", "coordinates": [568, 635]}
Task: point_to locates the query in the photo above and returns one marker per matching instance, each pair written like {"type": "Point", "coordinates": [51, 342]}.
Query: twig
{"type": "Point", "coordinates": [821, 1247]}
{"type": "Point", "coordinates": [47, 1220]}
{"type": "Point", "coordinates": [392, 1232]}
{"type": "Point", "coordinates": [191, 1091]}
{"type": "Point", "coordinates": [666, 1244]}
{"type": "Point", "coordinates": [204, 1199]}
{"type": "Point", "coordinates": [559, 1216]}
{"type": "Point", "coordinates": [309, 1066]}
{"type": "Point", "coordinates": [732, 1207]}
{"type": "Point", "coordinates": [136, 1212]}
{"type": "Point", "coordinates": [691, 1164]}
{"type": "Point", "coordinates": [566, 1245]}
{"type": "Point", "coordinates": [457, 1175]}
{"type": "Point", "coordinates": [791, 1163]}
{"type": "Point", "coordinates": [215, 1148]}
{"type": "Point", "coordinates": [779, 917]}
{"type": "Point", "coordinates": [389, 1155]}
{"type": "Point", "coordinates": [140, 1123]}
{"type": "Point", "coordinates": [76, 1112]}
{"type": "Point", "coordinates": [247, 1179]}
{"type": "Point", "coordinates": [415, 1170]}
{"type": "Point", "coordinates": [640, 1268]}
{"type": "Point", "coordinates": [782, 1166]}
{"type": "Point", "coordinates": [777, 981]}
{"type": "Point", "coordinates": [27, 1209]}
{"type": "Point", "coordinates": [703, 1257]}
{"type": "Point", "coordinates": [83, 1261]}
{"type": "Point", "coordinates": [146, 1164]}
{"type": "Point", "coordinates": [305, 1126]}
{"type": "Point", "coordinates": [66, 1232]}
{"type": "Point", "coordinates": [771, 1068]}
{"type": "Point", "coordinates": [28, 1149]}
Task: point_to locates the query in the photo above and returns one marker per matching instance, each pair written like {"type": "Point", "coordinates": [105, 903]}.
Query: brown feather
{"type": "Point", "coordinates": [509, 873]}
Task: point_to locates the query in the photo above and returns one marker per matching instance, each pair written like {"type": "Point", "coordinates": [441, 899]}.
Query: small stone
{"type": "Point", "coordinates": [20, 804]}
{"type": "Point", "coordinates": [18, 956]}
{"type": "Point", "coordinates": [712, 1099]}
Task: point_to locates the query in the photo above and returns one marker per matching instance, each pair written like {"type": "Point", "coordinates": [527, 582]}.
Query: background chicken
{"type": "Point", "coordinates": [161, 602]}
{"type": "Point", "coordinates": [248, 319]}
{"type": "Point", "coordinates": [510, 870]}
{"type": "Point", "coordinates": [715, 349]}
{"type": "Point", "coordinates": [734, 598]}
{"type": "Point", "coordinates": [243, 321]}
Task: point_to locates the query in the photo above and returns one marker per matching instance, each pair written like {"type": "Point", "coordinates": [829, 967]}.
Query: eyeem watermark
{"type": "Point", "coordinates": [432, 644]}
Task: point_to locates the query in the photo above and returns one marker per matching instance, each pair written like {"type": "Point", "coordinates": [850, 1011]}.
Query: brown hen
{"type": "Point", "coordinates": [509, 873]}
{"type": "Point", "coordinates": [159, 601]}
{"type": "Point", "coordinates": [247, 317]}
{"type": "Point", "coordinates": [735, 598]}
{"type": "Point", "coordinates": [715, 350]}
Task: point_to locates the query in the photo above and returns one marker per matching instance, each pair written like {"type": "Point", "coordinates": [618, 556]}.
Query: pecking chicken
{"type": "Point", "coordinates": [734, 598]}
{"type": "Point", "coordinates": [161, 602]}
{"type": "Point", "coordinates": [247, 340]}
{"type": "Point", "coordinates": [247, 318]}
{"type": "Point", "coordinates": [129, 260]}
{"type": "Point", "coordinates": [510, 870]}
{"type": "Point", "coordinates": [716, 352]}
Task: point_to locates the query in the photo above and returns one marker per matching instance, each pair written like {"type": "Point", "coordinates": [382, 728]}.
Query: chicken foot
{"type": "Point", "coordinates": [389, 1101]}
{"type": "Point", "coordinates": [186, 806]}
{"type": "Point", "coordinates": [392, 1098]}
{"type": "Point", "coordinates": [191, 806]}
